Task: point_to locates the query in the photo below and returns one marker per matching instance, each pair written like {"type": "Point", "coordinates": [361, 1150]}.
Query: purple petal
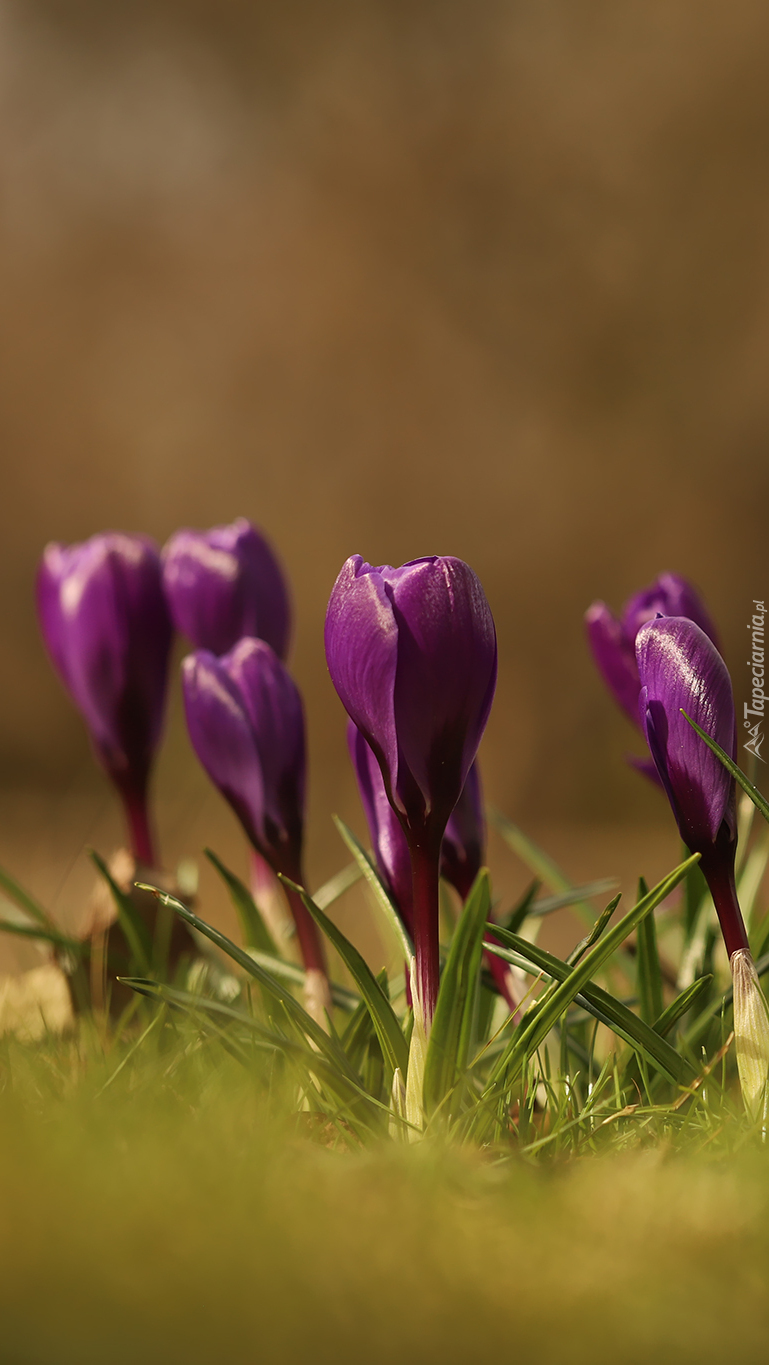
{"type": "Point", "coordinates": [273, 705]}
{"type": "Point", "coordinates": [387, 838]}
{"type": "Point", "coordinates": [614, 655]}
{"type": "Point", "coordinates": [681, 669]}
{"type": "Point", "coordinates": [668, 595]}
{"type": "Point", "coordinates": [362, 651]}
{"type": "Point", "coordinates": [224, 584]}
{"type": "Point", "coordinates": [445, 681]}
{"type": "Point", "coordinates": [223, 740]}
{"type": "Point", "coordinates": [105, 623]}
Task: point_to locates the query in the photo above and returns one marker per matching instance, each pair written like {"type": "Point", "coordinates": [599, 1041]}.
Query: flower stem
{"type": "Point", "coordinates": [425, 862]}
{"type": "Point", "coordinates": [139, 831]}
{"type": "Point", "coordinates": [719, 876]}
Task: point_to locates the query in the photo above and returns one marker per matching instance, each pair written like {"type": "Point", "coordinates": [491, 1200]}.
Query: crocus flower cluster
{"type": "Point", "coordinates": [412, 653]}
{"type": "Point", "coordinates": [106, 609]}
{"type": "Point", "coordinates": [682, 674]}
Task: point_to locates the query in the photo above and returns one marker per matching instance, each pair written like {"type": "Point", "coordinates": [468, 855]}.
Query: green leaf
{"type": "Point", "coordinates": [137, 935]}
{"type": "Point", "coordinates": [532, 1032]}
{"type": "Point", "coordinates": [269, 984]}
{"type": "Point", "coordinates": [72, 945]}
{"type": "Point", "coordinates": [681, 1005]}
{"type": "Point", "coordinates": [547, 904]}
{"type": "Point", "coordinates": [252, 926]}
{"type": "Point", "coordinates": [381, 895]}
{"type": "Point", "coordinates": [16, 892]}
{"type": "Point", "coordinates": [345, 1088]}
{"type": "Point", "coordinates": [648, 964]}
{"type": "Point", "coordinates": [336, 886]}
{"type": "Point", "coordinates": [520, 911]}
{"type": "Point", "coordinates": [759, 801]}
{"type": "Point", "coordinates": [290, 971]}
{"type": "Point", "coordinates": [598, 928]}
{"type": "Point", "coordinates": [388, 1030]}
{"type": "Point", "coordinates": [449, 1042]}
{"type": "Point", "coordinates": [602, 1005]}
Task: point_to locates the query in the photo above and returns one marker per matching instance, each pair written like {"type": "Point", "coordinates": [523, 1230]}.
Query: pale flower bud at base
{"type": "Point", "coordinates": [751, 1033]}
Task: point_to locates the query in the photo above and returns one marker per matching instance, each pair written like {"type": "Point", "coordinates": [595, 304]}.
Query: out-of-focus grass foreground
{"type": "Point", "coordinates": [487, 280]}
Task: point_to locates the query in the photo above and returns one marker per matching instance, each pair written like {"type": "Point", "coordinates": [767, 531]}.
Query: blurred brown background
{"type": "Point", "coordinates": [396, 277]}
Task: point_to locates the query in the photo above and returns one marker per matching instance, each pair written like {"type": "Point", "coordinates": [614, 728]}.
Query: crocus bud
{"type": "Point", "coordinates": [224, 584]}
{"type": "Point", "coordinates": [612, 640]}
{"type": "Point", "coordinates": [106, 626]}
{"type": "Point", "coordinates": [681, 671]}
{"type": "Point", "coordinates": [412, 653]}
{"type": "Point", "coordinates": [246, 722]}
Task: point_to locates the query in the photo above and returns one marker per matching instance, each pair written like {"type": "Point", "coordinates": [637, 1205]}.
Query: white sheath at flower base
{"type": "Point", "coordinates": [415, 1080]}
{"type": "Point", "coordinates": [751, 1033]}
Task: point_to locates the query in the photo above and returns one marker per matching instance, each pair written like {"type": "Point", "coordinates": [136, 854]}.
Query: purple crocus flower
{"type": "Point", "coordinates": [680, 669]}
{"type": "Point", "coordinates": [106, 626]}
{"type": "Point", "coordinates": [465, 838]}
{"type": "Point", "coordinates": [412, 653]}
{"type": "Point", "coordinates": [246, 722]}
{"type": "Point", "coordinates": [612, 639]}
{"type": "Point", "coordinates": [224, 584]}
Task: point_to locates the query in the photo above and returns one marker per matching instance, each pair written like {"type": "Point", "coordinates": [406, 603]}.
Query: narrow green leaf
{"type": "Point", "coordinates": [137, 935]}
{"type": "Point", "coordinates": [681, 1005]}
{"type": "Point", "coordinates": [520, 911]}
{"type": "Point", "coordinates": [336, 886]}
{"type": "Point", "coordinates": [449, 1042]}
{"type": "Point", "coordinates": [346, 1089]}
{"type": "Point", "coordinates": [388, 1029]}
{"type": "Point", "coordinates": [290, 971]}
{"type": "Point", "coordinates": [269, 984]}
{"type": "Point", "coordinates": [759, 801]}
{"type": "Point", "coordinates": [547, 904]}
{"type": "Point", "coordinates": [381, 895]}
{"type": "Point", "coordinates": [530, 1035]}
{"type": "Point", "coordinates": [648, 965]}
{"type": "Point", "coordinates": [72, 945]}
{"type": "Point", "coordinates": [252, 926]}
{"type": "Point", "coordinates": [598, 928]}
{"type": "Point", "coordinates": [16, 892]}
{"type": "Point", "coordinates": [603, 1006]}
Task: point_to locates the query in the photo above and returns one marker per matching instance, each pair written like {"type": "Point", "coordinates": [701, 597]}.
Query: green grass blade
{"type": "Point", "coordinates": [529, 1036]}
{"type": "Point", "coordinates": [546, 905]}
{"type": "Point", "coordinates": [16, 893]}
{"type": "Point", "coordinates": [388, 1030]}
{"type": "Point", "coordinates": [449, 1042]}
{"type": "Point", "coordinates": [136, 933]}
{"type": "Point", "coordinates": [519, 912]}
{"type": "Point", "coordinates": [290, 971]}
{"type": "Point", "coordinates": [345, 1089]}
{"type": "Point", "coordinates": [648, 965]}
{"type": "Point", "coordinates": [759, 801]}
{"type": "Point", "coordinates": [59, 940]}
{"type": "Point", "coordinates": [381, 894]}
{"type": "Point", "coordinates": [269, 983]}
{"type": "Point", "coordinates": [604, 1006]}
{"type": "Point", "coordinates": [336, 886]}
{"type": "Point", "coordinates": [598, 928]}
{"type": "Point", "coordinates": [253, 928]}
{"type": "Point", "coordinates": [681, 1005]}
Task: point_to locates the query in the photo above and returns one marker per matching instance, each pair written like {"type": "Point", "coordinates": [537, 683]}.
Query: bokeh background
{"type": "Point", "coordinates": [391, 276]}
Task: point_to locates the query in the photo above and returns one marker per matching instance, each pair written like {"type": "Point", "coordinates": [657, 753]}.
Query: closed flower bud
{"type": "Point", "coordinates": [612, 639]}
{"type": "Point", "coordinates": [224, 584]}
{"type": "Point", "coordinates": [246, 722]}
{"type": "Point", "coordinates": [106, 626]}
{"type": "Point", "coordinates": [412, 654]}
